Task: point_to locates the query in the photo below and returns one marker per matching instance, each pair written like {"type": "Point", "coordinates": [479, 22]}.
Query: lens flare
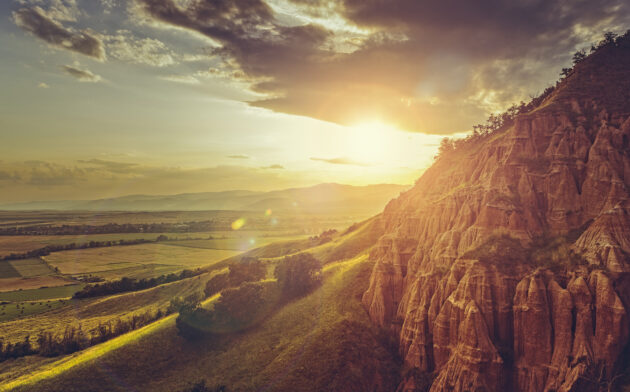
{"type": "Point", "coordinates": [237, 224]}
{"type": "Point", "coordinates": [268, 212]}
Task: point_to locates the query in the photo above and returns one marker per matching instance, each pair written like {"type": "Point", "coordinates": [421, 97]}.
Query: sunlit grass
{"type": "Point", "coordinates": [82, 357]}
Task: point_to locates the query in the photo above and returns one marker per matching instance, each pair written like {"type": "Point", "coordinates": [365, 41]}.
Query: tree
{"type": "Point", "coordinates": [249, 269]}
{"type": "Point", "coordinates": [238, 307]}
{"type": "Point", "coordinates": [565, 72]}
{"type": "Point", "coordinates": [579, 56]}
{"type": "Point", "coordinates": [297, 275]}
{"type": "Point", "coordinates": [609, 38]}
{"type": "Point", "coordinates": [446, 146]}
{"type": "Point", "coordinates": [187, 304]}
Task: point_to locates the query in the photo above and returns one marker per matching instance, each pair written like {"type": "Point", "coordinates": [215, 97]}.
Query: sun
{"type": "Point", "coordinates": [370, 142]}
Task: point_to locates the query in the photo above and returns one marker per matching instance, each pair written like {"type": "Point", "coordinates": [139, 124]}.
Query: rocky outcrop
{"type": "Point", "coordinates": [507, 320]}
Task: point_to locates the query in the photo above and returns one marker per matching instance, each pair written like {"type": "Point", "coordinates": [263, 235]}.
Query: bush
{"type": "Point", "coordinates": [239, 307]}
{"type": "Point", "coordinates": [249, 269]}
{"type": "Point", "coordinates": [298, 275]}
{"type": "Point", "coordinates": [235, 310]}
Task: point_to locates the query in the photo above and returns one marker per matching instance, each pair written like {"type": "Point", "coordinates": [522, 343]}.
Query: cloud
{"type": "Point", "coordinates": [113, 166]}
{"type": "Point", "coordinates": [339, 161]}
{"type": "Point", "coordinates": [125, 46]}
{"type": "Point", "coordinates": [276, 166]}
{"type": "Point", "coordinates": [408, 63]}
{"type": "Point", "coordinates": [185, 79]}
{"type": "Point", "coordinates": [37, 22]}
{"type": "Point", "coordinates": [83, 75]}
{"type": "Point", "coordinates": [239, 156]}
{"type": "Point", "coordinates": [43, 85]}
{"type": "Point", "coordinates": [96, 178]}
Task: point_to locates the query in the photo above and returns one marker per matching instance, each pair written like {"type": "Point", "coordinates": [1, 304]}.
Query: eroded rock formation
{"type": "Point", "coordinates": [456, 278]}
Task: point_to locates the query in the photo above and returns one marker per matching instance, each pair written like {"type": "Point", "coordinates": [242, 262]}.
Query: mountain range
{"type": "Point", "coordinates": [322, 198]}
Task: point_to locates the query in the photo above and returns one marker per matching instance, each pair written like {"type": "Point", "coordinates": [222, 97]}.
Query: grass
{"type": "Point", "coordinates": [235, 243]}
{"type": "Point", "coordinates": [319, 342]}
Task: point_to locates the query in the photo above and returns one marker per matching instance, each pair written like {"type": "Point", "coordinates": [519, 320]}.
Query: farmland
{"type": "Point", "coordinates": [38, 290]}
{"type": "Point", "coordinates": [99, 261]}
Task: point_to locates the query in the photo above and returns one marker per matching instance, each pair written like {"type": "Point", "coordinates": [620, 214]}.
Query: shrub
{"type": "Point", "coordinates": [297, 275]}
{"type": "Point", "coordinates": [249, 269]}
{"type": "Point", "coordinates": [236, 309]}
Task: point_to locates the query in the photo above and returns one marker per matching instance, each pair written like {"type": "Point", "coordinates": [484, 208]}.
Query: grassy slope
{"type": "Point", "coordinates": [322, 341]}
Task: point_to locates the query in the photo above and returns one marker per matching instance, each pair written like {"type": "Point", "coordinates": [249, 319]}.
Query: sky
{"type": "Point", "coordinates": [103, 98]}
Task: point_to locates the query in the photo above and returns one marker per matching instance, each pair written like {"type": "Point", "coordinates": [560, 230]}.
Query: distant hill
{"type": "Point", "coordinates": [322, 198]}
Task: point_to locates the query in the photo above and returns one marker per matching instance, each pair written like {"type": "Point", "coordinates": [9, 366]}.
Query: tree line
{"type": "Point", "coordinates": [74, 338]}
{"type": "Point", "coordinates": [126, 284]}
{"type": "Point", "coordinates": [502, 121]}
{"type": "Point", "coordinates": [48, 249]}
{"type": "Point", "coordinates": [116, 228]}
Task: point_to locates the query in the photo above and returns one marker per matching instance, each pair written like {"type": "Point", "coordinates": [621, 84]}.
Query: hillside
{"type": "Point", "coordinates": [505, 267]}
{"type": "Point", "coordinates": [318, 199]}
{"type": "Point", "coordinates": [322, 341]}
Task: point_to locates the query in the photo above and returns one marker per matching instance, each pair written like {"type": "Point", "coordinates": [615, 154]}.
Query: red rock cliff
{"type": "Point", "coordinates": [512, 322]}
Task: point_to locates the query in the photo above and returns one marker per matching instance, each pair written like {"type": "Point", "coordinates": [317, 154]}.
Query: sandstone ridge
{"type": "Point", "coordinates": [504, 267]}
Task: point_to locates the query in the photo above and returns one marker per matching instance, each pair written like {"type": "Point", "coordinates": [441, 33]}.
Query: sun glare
{"type": "Point", "coordinates": [369, 142]}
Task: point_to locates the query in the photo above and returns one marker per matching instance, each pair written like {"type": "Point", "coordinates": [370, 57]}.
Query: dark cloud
{"type": "Point", "coordinates": [276, 166]}
{"type": "Point", "coordinates": [427, 66]}
{"type": "Point", "coordinates": [238, 156]}
{"type": "Point", "coordinates": [37, 22]}
{"type": "Point", "coordinates": [83, 75]}
{"type": "Point", "coordinates": [339, 161]}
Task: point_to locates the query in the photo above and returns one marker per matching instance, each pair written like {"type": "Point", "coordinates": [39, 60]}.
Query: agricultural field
{"type": "Point", "coordinates": [44, 293]}
{"type": "Point", "coordinates": [31, 267]}
{"type": "Point", "coordinates": [28, 274]}
{"type": "Point", "coordinates": [10, 311]}
{"type": "Point", "coordinates": [101, 261]}
{"type": "Point", "coordinates": [34, 283]}
{"type": "Point", "coordinates": [90, 312]}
